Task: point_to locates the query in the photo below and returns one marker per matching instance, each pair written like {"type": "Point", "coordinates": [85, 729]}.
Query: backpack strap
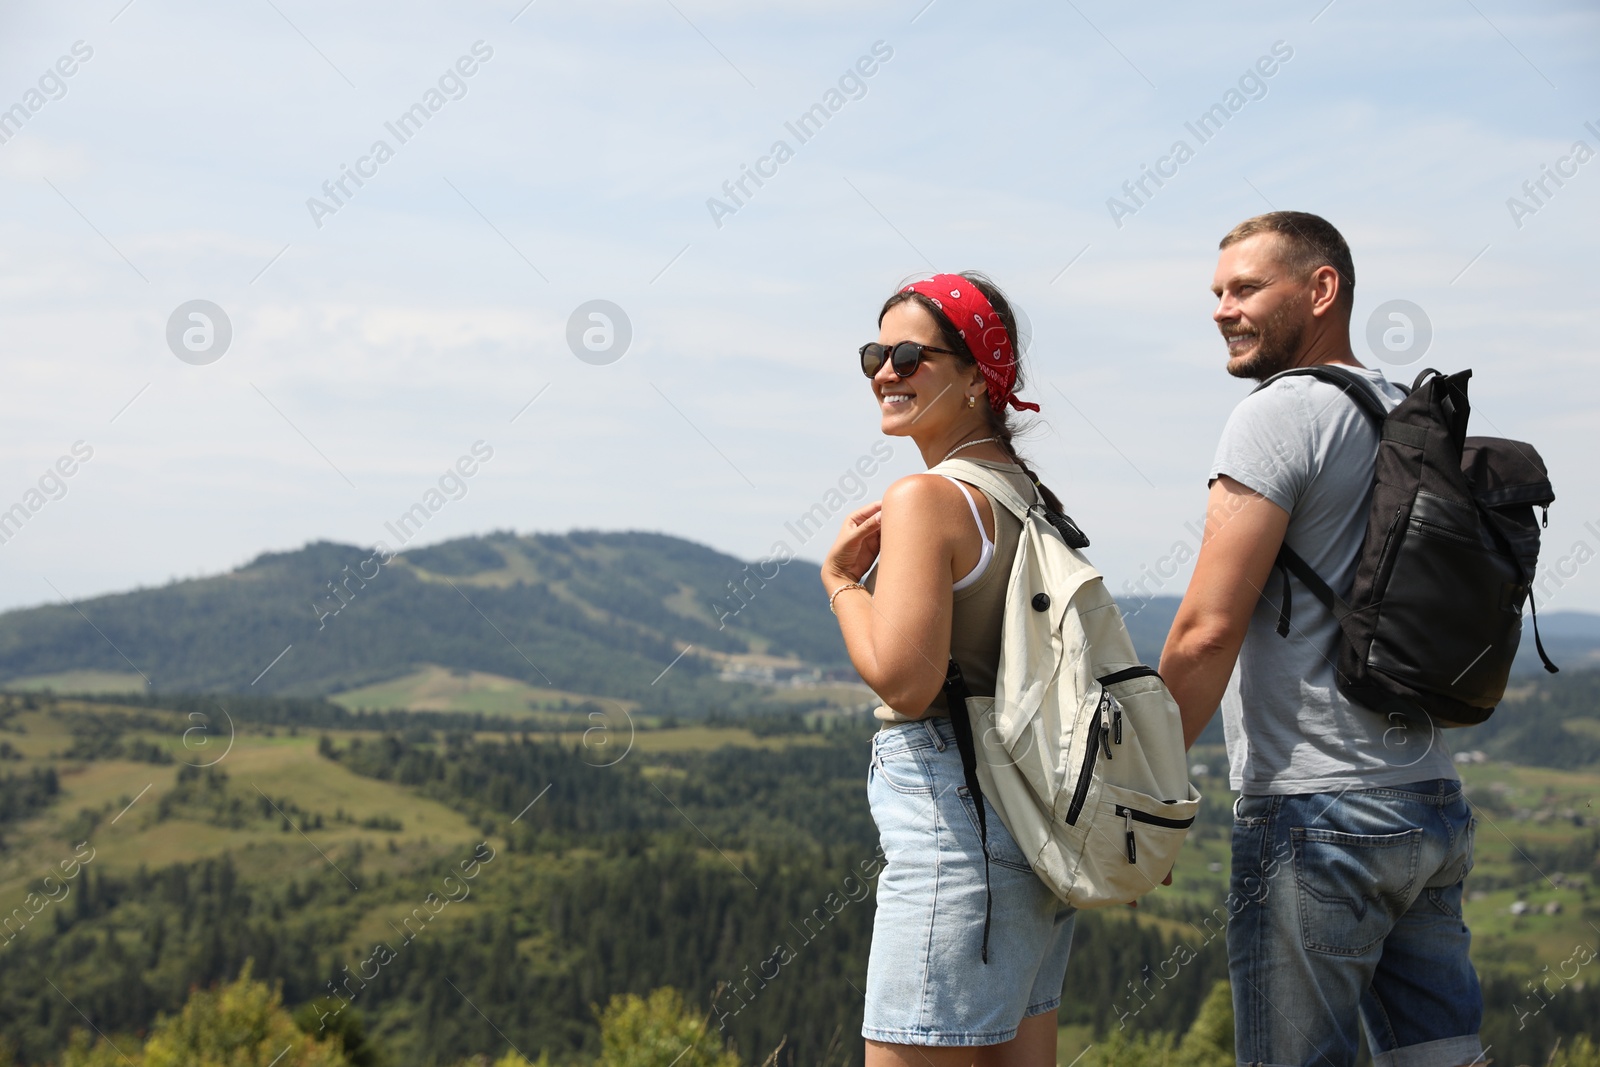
{"type": "Point", "coordinates": [989, 482]}
{"type": "Point", "coordinates": [1538, 644]}
{"type": "Point", "coordinates": [1000, 489]}
{"type": "Point", "coordinates": [1289, 561]}
{"type": "Point", "coordinates": [1354, 387]}
{"type": "Point", "coordinates": [955, 695]}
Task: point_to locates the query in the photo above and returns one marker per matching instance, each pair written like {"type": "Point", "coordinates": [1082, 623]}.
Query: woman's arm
{"type": "Point", "coordinates": [899, 638]}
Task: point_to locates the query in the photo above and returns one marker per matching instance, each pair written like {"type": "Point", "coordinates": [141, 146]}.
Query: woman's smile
{"type": "Point", "coordinates": [891, 400]}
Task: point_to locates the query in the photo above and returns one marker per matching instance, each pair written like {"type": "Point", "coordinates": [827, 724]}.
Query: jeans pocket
{"type": "Point", "coordinates": [1003, 847]}
{"type": "Point", "coordinates": [1352, 887]}
{"type": "Point", "coordinates": [903, 770]}
{"type": "Point", "coordinates": [1252, 811]}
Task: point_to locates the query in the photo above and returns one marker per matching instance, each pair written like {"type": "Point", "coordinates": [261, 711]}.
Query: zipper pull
{"type": "Point", "coordinates": [1116, 723]}
{"type": "Point", "coordinates": [1546, 522]}
{"type": "Point", "coordinates": [1127, 821]}
{"type": "Point", "coordinates": [1105, 739]}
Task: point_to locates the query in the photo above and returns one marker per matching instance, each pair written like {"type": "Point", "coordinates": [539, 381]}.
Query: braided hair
{"type": "Point", "coordinates": [1000, 425]}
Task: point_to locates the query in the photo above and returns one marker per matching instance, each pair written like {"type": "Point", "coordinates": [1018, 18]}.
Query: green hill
{"type": "Point", "coordinates": [581, 613]}
{"type": "Point", "coordinates": [499, 623]}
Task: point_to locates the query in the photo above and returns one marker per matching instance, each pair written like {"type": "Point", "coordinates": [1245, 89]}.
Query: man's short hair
{"type": "Point", "coordinates": [1308, 241]}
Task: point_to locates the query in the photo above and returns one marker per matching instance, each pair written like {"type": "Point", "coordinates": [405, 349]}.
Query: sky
{"type": "Point", "coordinates": [360, 347]}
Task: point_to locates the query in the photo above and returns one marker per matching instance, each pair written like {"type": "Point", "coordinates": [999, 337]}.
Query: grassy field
{"type": "Point", "coordinates": [701, 738]}
{"type": "Point", "coordinates": [85, 681]}
{"type": "Point", "coordinates": [1526, 814]}
{"type": "Point", "coordinates": [124, 797]}
{"type": "Point", "coordinates": [434, 688]}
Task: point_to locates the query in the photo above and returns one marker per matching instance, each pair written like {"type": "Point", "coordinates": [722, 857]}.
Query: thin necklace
{"type": "Point", "coordinates": [969, 444]}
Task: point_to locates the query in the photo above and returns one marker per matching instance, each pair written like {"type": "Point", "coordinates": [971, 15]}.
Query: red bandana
{"type": "Point", "coordinates": [975, 319]}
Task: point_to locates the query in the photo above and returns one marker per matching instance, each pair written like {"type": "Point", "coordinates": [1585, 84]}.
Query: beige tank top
{"type": "Point", "coordinates": [979, 609]}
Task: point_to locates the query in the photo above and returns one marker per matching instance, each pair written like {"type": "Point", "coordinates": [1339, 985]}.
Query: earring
{"type": "Point", "coordinates": [972, 401]}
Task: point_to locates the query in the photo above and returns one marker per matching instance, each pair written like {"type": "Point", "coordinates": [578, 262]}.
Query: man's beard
{"type": "Point", "coordinates": [1277, 343]}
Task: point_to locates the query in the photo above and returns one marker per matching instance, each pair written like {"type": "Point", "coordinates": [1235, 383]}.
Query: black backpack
{"type": "Point", "coordinates": [1435, 614]}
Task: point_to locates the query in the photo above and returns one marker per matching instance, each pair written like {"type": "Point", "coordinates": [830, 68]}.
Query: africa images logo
{"type": "Point", "coordinates": [199, 332]}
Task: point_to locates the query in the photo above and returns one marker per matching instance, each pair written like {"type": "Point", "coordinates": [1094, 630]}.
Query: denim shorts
{"type": "Point", "coordinates": [1345, 906]}
{"type": "Point", "coordinates": [926, 981]}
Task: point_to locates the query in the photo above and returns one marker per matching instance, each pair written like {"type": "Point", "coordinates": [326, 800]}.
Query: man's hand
{"type": "Point", "coordinates": [1242, 535]}
{"type": "Point", "coordinates": [1165, 881]}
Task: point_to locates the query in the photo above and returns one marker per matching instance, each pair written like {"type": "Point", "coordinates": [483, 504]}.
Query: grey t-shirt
{"type": "Point", "coordinates": [1305, 446]}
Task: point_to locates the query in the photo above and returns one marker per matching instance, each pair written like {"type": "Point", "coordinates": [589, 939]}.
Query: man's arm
{"type": "Point", "coordinates": [1242, 535]}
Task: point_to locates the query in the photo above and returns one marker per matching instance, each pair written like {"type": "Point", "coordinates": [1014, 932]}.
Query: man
{"type": "Point", "coordinates": [1351, 836]}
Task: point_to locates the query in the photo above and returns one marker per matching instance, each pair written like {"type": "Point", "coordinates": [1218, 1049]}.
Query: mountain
{"type": "Point", "coordinates": [635, 616]}
{"type": "Point", "coordinates": [657, 621]}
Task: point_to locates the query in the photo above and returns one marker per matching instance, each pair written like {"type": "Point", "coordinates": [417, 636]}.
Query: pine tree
{"type": "Point", "coordinates": [658, 1031]}
{"type": "Point", "coordinates": [242, 1024]}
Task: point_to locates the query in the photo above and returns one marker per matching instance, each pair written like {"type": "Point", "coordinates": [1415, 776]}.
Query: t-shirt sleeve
{"type": "Point", "coordinates": [1267, 446]}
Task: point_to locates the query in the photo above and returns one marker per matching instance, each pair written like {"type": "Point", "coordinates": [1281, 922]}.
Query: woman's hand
{"type": "Point", "coordinates": [855, 548]}
{"type": "Point", "coordinates": [899, 639]}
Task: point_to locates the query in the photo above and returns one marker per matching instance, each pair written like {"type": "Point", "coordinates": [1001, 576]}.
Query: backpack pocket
{"type": "Point", "coordinates": [1509, 480]}
{"type": "Point", "coordinates": [1446, 555]}
{"type": "Point", "coordinates": [1132, 844]}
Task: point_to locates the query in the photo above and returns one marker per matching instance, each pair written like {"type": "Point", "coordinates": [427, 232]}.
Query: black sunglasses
{"type": "Point", "coordinates": [904, 357]}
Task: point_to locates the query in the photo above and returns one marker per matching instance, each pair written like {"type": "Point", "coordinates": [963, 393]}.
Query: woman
{"type": "Point", "coordinates": [943, 370]}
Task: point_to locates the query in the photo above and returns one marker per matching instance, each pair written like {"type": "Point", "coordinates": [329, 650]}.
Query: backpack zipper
{"type": "Point", "coordinates": [1130, 816]}
{"type": "Point", "coordinates": [1127, 674]}
{"type": "Point", "coordinates": [1102, 735]}
{"type": "Point", "coordinates": [1095, 739]}
{"type": "Point", "coordinates": [1387, 556]}
{"type": "Point", "coordinates": [1155, 820]}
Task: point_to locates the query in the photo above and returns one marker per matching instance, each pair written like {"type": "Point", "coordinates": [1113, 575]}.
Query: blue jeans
{"type": "Point", "coordinates": [1348, 905]}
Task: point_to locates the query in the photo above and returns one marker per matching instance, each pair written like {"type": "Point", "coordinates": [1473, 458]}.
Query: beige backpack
{"type": "Point", "coordinates": [1080, 751]}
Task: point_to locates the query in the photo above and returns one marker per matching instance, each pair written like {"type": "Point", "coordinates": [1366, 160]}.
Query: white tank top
{"type": "Point", "coordinates": [986, 553]}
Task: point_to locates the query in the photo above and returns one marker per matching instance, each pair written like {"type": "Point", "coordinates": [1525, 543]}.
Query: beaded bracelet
{"type": "Point", "coordinates": [842, 588]}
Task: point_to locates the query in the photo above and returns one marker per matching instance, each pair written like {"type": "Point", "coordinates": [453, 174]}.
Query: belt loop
{"type": "Point", "coordinates": [938, 742]}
